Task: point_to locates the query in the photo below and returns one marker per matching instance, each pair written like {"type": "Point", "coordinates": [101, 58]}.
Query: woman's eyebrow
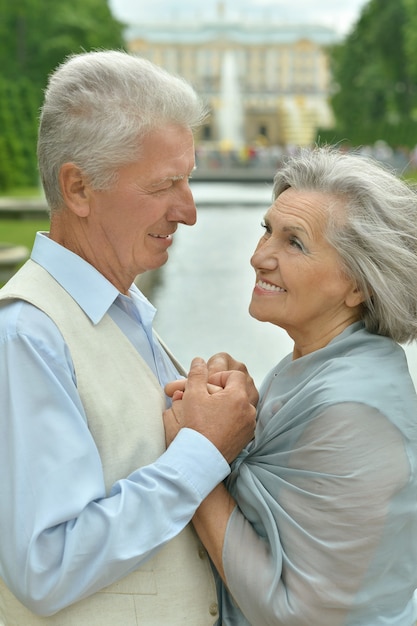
{"type": "Point", "coordinates": [296, 228]}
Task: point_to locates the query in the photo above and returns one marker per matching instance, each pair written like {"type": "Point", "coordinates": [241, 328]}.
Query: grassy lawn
{"type": "Point", "coordinates": [24, 192]}
{"type": "Point", "coordinates": [21, 232]}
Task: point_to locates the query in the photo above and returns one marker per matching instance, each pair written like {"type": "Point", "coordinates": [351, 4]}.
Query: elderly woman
{"type": "Point", "coordinates": [318, 524]}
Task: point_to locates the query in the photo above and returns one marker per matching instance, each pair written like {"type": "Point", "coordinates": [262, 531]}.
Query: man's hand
{"type": "Point", "coordinates": [220, 362]}
{"type": "Point", "coordinates": [226, 418]}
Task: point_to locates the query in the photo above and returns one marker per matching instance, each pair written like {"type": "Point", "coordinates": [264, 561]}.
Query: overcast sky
{"type": "Point", "coordinates": [338, 14]}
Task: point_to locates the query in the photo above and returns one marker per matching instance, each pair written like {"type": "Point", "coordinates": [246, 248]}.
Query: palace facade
{"type": "Point", "coordinates": [266, 84]}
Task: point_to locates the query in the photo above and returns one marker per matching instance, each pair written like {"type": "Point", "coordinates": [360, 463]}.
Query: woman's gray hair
{"type": "Point", "coordinates": [98, 107]}
{"type": "Point", "coordinates": [376, 237]}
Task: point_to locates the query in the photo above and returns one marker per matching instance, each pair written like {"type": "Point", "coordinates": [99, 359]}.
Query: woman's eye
{"type": "Point", "coordinates": [296, 243]}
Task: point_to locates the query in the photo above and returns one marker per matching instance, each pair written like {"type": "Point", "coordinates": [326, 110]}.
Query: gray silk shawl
{"type": "Point", "coordinates": [327, 492]}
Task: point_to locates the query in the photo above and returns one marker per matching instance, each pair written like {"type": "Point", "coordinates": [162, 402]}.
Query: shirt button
{"type": "Point", "coordinates": [201, 552]}
{"type": "Point", "coordinates": [214, 608]}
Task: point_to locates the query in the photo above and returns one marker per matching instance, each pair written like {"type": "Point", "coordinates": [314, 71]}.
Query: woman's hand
{"type": "Point", "coordinates": [222, 362]}
{"type": "Point", "coordinates": [176, 388]}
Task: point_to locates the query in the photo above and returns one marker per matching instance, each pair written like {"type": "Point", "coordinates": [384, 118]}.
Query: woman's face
{"type": "Point", "coordinates": [300, 285]}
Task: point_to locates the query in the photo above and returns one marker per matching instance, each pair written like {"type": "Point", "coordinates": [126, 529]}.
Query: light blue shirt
{"type": "Point", "coordinates": [97, 539]}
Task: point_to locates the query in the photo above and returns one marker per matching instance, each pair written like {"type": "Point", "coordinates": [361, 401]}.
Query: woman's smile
{"type": "Point", "coordinates": [263, 286]}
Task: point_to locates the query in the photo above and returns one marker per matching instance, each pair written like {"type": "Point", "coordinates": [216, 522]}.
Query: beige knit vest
{"type": "Point", "coordinates": [123, 402]}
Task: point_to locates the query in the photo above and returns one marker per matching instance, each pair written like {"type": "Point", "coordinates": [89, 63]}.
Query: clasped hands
{"type": "Point", "coordinates": [218, 399]}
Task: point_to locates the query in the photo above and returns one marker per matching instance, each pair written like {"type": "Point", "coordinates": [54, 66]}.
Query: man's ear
{"type": "Point", "coordinates": [74, 188]}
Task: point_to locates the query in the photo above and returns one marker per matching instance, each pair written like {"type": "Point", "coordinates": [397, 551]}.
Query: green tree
{"type": "Point", "coordinates": [35, 36]}
{"type": "Point", "coordinates": [373, 74]}
{"type": "Point", "coordinates": [410, 37]}
{"type": "Point", "coordinates": [18, 124]}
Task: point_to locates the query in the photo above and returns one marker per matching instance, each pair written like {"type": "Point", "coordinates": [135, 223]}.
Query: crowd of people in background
{"type": "Point", "coordinates": [262, 156]}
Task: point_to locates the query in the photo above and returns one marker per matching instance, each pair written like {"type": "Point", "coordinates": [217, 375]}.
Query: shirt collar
{"type": "Point", "coordinates": [90, 289]}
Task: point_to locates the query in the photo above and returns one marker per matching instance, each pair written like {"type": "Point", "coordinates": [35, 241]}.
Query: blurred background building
{"type": "Point", "coordinates": [266, 84]}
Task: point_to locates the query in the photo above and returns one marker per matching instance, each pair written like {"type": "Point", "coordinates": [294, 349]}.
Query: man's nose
{"type": "Point", "coordinates": [184, 210]}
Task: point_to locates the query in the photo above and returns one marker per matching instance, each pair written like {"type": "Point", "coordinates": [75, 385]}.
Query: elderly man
{"type": "Point", "coordinates": [94, 511]}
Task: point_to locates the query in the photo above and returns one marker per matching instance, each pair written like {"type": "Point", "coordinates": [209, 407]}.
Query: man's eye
{"type": "Point", "coordinates": [266, 227]}
{"type": "Point", "coordinates": [162, 189]}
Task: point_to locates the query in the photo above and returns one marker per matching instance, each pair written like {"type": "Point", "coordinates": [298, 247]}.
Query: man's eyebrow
{"type": "Point", "coordinates": [173, 178]}
{"type": "Point", "coordinates": [161, 181]}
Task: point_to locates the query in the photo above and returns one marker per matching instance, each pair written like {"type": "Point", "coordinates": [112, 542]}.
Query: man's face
{"type": "Point", "coordinates": [131, 225]}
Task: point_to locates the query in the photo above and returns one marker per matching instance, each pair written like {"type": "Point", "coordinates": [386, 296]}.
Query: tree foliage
{"type": "Point", "coordinates": [375, 72]}
{"type": "Point", "coordinates": [35, 36]}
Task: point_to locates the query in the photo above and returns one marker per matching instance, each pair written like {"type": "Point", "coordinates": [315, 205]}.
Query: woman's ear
{"type": "Point", "coordinates": [74, 189]}
{"type": "Point", "coordinates": [354, 297]}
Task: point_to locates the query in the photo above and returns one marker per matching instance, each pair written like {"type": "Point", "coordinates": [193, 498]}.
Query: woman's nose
{"type": "Point", "coordinates": [265, 256]}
